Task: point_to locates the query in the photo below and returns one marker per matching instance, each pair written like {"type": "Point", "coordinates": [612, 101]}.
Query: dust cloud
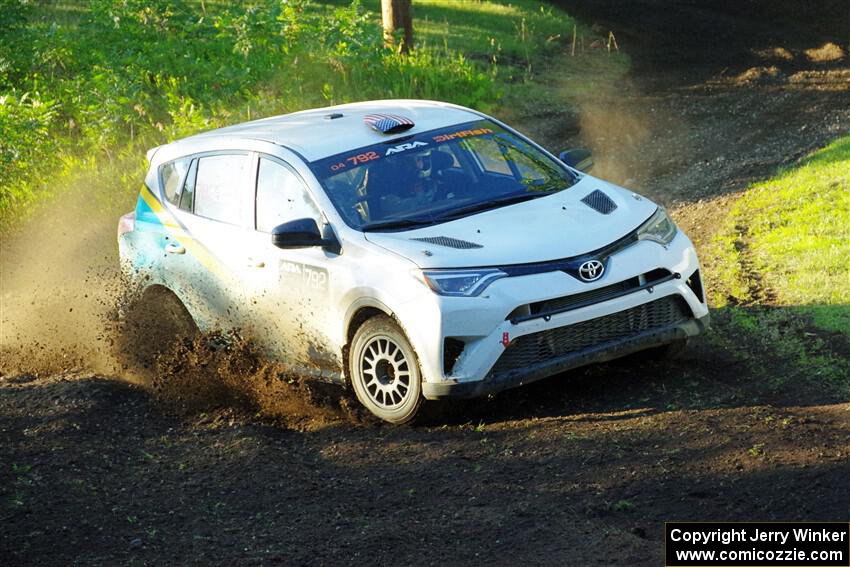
{"type": "Point", "coordinates": [61, 292]}
{"type": "Point", "coordinates": [59, 283]}
{"type": "Point", "coordinates": [629, 133]}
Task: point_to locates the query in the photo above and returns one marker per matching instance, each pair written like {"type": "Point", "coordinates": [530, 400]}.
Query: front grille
{"type": "Point", "coordinates": [598, 295]}
{"type": "Point", "coordinates": [531, 349]}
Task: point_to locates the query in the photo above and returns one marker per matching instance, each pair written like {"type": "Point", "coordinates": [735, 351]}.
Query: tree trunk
{"type": "Point", "coordinates": [396, 15]}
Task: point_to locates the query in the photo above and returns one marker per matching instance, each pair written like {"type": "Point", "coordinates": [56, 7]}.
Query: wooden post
{"type": "Point", "coordinates": [573, 50]}
{"type": "Point", "coordinates": [395, 15]}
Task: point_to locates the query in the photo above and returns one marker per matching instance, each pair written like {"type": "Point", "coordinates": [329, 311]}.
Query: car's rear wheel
{"type": "Point", "coordinates": [384, 371]}
{"type": "Point", "coordinates": [153, 324]}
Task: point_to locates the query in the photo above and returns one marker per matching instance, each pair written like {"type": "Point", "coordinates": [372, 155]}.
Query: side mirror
{"type": "Point", "coordinates": [302, 233]}
{"type": "Point", "coordinates": [581, 160]}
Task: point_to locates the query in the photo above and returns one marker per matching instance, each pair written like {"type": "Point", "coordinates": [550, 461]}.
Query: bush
{"type": "Point", "coordinates": [26, 143]}
{"type": "Point", "coordinates": [160, 69]}
{"type": "Point", "coordinates": [13, 41]}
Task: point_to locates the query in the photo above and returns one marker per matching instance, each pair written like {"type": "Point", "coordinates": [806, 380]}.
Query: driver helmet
{"type": "Point", "coordinates": [422, 163]}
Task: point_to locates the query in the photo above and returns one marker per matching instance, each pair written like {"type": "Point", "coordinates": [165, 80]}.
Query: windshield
{"type": "Point", "coordinates": [437, 176]}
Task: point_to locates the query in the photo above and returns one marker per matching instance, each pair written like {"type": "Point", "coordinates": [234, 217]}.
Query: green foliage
{"type": "Point", "coordinates": [511, 30]}
{"type": "Point", "coordinates": [782, 262]}
{"type": "Point", "coordinates": [793, 232]}
{"type": "Point", "coordinates": [25, 138]}
{"type": "Point", "coordinates": [13, 40]}
{"type": "Point", "coordinates": [145, 71]}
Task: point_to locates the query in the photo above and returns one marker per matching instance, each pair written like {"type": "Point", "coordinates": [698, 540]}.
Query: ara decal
{"type": "Point", "coordinates": [406, 146]}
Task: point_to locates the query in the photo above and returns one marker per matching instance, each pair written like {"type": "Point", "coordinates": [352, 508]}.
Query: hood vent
{"type": "Point", "coordinates": [599, 202]}
{"type": "Point", "coordinates": [449, 242]}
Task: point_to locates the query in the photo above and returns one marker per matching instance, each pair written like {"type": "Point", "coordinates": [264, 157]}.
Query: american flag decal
{"type": "Point", "coordinates": [388, 123]}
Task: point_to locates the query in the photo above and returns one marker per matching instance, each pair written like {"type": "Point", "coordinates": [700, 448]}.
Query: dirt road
{"type": "Point", "coordinates": [583, 468]}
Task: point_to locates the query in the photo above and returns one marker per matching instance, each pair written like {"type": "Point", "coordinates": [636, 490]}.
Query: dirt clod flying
{"type": "Point", "coordinates": [214, 371]}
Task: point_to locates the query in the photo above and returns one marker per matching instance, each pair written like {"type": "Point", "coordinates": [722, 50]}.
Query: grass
{"type": "Point", "coordinates": [793, 230]}
{"type": "Point", "coordinates": [524, 43]}
{"type": "Point", "coordinates": [85, 84]}
{"type": "Point", "coordinates": [515, 29]}
{"type": "Point", "coordinates": [782, 262]}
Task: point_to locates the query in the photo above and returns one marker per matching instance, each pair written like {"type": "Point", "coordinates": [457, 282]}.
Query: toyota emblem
{"type": "Point", "coordinates": [591, 270]}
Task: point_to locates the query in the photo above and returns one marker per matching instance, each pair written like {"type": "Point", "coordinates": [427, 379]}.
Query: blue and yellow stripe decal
{"type": "Point", "coordinates": [150, 209]}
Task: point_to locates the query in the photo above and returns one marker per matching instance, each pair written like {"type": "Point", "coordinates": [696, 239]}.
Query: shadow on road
{"type": "Point", "coordinates": [92, 474]}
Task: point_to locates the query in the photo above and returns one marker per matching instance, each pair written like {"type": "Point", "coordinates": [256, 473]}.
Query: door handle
{"type": "Point", "coordinates": [174, 248]}
{"type": "Point", "coordinates": [255, 263]}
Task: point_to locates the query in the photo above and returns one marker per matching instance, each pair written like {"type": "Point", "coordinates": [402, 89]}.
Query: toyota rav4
{"type": "Point", "coordinates": [411, 249]}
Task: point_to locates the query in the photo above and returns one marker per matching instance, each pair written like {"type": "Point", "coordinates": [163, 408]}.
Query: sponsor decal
{"type": "Point", "coordinates": [461, 134]}
{"type": "Point", "coordinates": [404, 147]}
{"type": "Point", "coordinates": [303, 276]}
{"type": "Point", "coordinates": [345, 161]}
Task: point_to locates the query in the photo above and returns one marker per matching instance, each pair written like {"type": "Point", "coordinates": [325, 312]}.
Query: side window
{"type": "Point", "coordinates": [281, 197]}
{"type": "Point", "coordinates": [187, 195]}
{"type": "Point", "coordinates": [531, 170]}
{"type": "Point", "coordinates": [489, 154]}
{"type": "Point", "coordinates": [496, 157]}
{"type": "Point", "coordinates": [218, 182]}
{"type": "Point", "coordinates": [171, 174]}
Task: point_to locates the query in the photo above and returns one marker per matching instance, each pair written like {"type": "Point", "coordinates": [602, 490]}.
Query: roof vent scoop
{"type": "Point", "coordinates": [599, 202]}
{"type": "Point", "coordinates": [388, 123]}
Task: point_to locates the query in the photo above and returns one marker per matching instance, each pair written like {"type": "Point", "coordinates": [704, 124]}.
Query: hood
{"type": "Point", "coordinates": [540, 230]}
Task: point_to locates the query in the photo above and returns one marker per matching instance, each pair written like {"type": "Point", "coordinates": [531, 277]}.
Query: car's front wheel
{"type": "Point", "coordinates": [384, 371]}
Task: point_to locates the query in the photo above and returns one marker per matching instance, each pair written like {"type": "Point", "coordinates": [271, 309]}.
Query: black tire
{"type": "Point", "coordinates": [384, 371]}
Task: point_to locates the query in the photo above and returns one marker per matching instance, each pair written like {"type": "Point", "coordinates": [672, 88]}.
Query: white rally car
{"type": "Point", "coordinates": [412, 249]}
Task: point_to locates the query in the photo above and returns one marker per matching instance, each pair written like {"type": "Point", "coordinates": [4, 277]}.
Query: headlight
{"type": "Point", "coordinates": [659, 228]}
{"type": "Point", "coordinates": [465, 283]}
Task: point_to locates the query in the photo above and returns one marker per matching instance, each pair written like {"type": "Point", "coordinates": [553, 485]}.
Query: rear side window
{"type": "Point", "coordinates": [217, 187]}
{"type": "Point", "coordinates": [281, 197]}
{"type": "Point", "coordinates": [171, 174]}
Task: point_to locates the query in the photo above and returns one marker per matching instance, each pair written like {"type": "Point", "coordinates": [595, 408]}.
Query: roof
{"type": "Point", "coordinates": [314, 135]}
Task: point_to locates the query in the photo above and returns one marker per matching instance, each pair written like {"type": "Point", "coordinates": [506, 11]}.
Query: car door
{"type": "Point", "coordinates": [214, 210]}
{"type": "Point", "coordinates": [296, 304]}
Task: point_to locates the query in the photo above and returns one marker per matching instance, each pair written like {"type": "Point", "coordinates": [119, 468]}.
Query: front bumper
{"type": "Point", "coordinates": [462, 340]}
{"type": "Point", "coordinates": [512, 378]}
